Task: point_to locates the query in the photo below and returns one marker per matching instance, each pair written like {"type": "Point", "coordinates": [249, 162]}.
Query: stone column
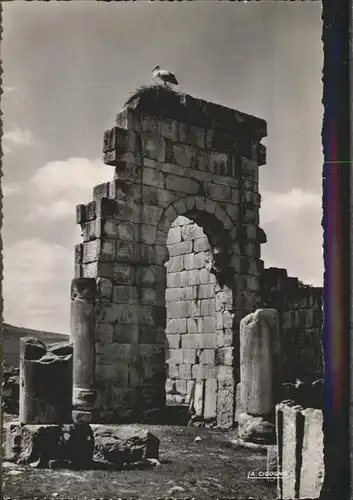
{"type": "Point", "coordinates": [259, 375]}
{"type": "Point", "coordinates": [259, 351]}
{"type": "Point", "coordinates": [45, 385]}
{"type": "Point", "coordinates": [83, 299]}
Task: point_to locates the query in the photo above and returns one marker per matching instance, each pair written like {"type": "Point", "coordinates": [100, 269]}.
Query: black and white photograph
{"type": "Point", "coordinates": [162, 250]}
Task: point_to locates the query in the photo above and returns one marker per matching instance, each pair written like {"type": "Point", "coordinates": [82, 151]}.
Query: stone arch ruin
{"type": "Point", "coordinates": [173, 156]}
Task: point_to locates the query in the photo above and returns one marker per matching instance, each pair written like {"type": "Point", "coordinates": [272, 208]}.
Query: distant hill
{"type": "Point", "coordinates": [11, 335]}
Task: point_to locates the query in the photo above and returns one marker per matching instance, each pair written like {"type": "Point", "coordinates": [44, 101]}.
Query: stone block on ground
{"type": "Point", "coordinates": [256, 429]}
{"type": "Point", "coordinates": [122, 444]}
{"type": "Point", "coordinates": [37, 445]}
{"type": "Point", "coordinates": [313, 465]}
{"type": "Point", "coordinates": [300, 451]}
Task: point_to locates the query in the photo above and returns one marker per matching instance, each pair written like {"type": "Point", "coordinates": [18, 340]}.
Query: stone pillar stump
{"type": "Point", "coordinates": [45, 384]}
{"type": "Point", "coordinates": [83, 300]}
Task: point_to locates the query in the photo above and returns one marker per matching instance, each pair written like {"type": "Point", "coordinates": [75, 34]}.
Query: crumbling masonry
{"type": "Point", "coordinates": [170, 260]}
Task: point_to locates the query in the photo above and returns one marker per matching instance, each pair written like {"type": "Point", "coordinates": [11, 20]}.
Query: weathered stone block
{"type": "Point", "coordinates": [175, 356]}
{"type": "Point", "coordinates": [201, 244]}
{"type": "Point", "coordinates": [189, 356]}
{"type": "Point", "coordinates": [178, 325]}
{"type": "Point", "coordinates": [206, 277]}
{"type": "Point", "coordinates": [225, 404]}
{"type": "Point", "coordinates": [148, 296]}
{"type": "Point", "coordinates": [38, 444]}
{"type": "Point", "coordinates": [174, 236]}
{"type": "Point", "coordinates": [118, 313]}
{"type": "Point", "coordinates": [126, 333]}
{"type": "Point", "coordinates": [190, 134]}
{"type": "Point", "coordinates": [286, 429]}
{"type": "Point", "coordinates": [220, 164]}
{"type": "Point", "coordinates": [178, 309]}
{"type": "Point", "coordinates": [207, 357]}
{"type": "Point", "coordinates": [198, 398]}
{"type": "Point", "coordinates": [189, 261]}
{"type": "Point", "coordinates": [122, 444]}
{"type": "Point", "coordinates": [194, 308]}
{"type": "Point", "coordinates": [103, 250]}
{"type": "Point", "coordinates": [193, 277]}
{"type": "Point", "coordinates": [256, 429]}
{"type": "Point", "coordinates": [173, 370]}
{"type": "Point", "coordinates": [125, 231]}
{"type": "Point", "coordinates": [224, 337]}
{"type": "Point", "coordinates": [184, 155]}
{"type": "Point", "coordinates": [203, 372]}
{"type": "Point", "coordinates": [104, 332]}
{"type": "Point", "coordinates": [181, 386]}
{"type": "Point", "coordinates": [123, 274]}
{"type": "Point", "coordinates": [104, 288]}
{"type": "Point", "coordinates": [313, 465]}
{"type": "Point", "coordinates": [178, 184]}
{"type": "Point", "coordinates": [113, 372]}
{"type": "Point", "coordinates": [177, 279]}
{"type": "Point", "coordinates": [225, 356]}
{"type": "Point", "coordinates": [125, 294]}
{"type": "Point", "coordinates": [179, 248]}
{"type": "Point", "coordinates": [169, 129]}
{"type": "Point", "coordinates": [185, 371]}
{"type": "Point", "coordinates": [173, 341]}
{"type": "Point", "coordinates": [173, 294]}
{"type": "Point", "coordinates": [210, 410]}
{"type": "Point", "coordinates": [148, 234]}
{"type": "Point", "coordinates": [150, 276]}
{"type": "Point", "coordinates": [218, 192]}
{"type": "Point", "coordinates": [192, 325]}
{"type": "Point", "coordinates": [208, 307]}
{"type": "Point", "coordinates": [153, 146]}
{"type": "Point", "coordinates": [153, 176]}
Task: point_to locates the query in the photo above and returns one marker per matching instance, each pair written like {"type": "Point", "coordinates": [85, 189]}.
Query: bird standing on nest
{"type": "Point", "coordinates": [164, 75]}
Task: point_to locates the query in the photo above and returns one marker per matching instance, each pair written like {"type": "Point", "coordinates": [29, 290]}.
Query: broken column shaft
{"type": "Point", "coordinates": [45, 384]}
{"type": "Point", "coordinates": [83, 297]}
{"type": "Point", "coordinates": [259, 345]}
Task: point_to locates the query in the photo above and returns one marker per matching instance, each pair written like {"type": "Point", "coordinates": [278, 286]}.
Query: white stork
{"type": "Point", "coordinates": [164, 75]}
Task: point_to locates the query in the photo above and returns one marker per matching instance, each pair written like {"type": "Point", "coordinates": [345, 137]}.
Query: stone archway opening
{"type": "Point", "coordinates": [199, 291]}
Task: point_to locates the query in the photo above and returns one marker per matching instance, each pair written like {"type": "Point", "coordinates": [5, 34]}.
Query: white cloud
{"type": "Point", "coordinates": [276, 205]}
{"type": "Point", "coordinates": [9, 189]}
{"type": "Point", "coordinates": [65, 184]}
{"type": "Point", "coordinates": [17, 137]}
{"type": "Point", "coordinates": [60, 209]}
{"type": "Point", "coordinates": [292, 222]}
{"type": "Point", "coordinates": [36, 284]}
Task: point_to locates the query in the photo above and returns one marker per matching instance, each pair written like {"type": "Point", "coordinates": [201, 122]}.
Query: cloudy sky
{"type": "Point", "coordinates": [68, 68]}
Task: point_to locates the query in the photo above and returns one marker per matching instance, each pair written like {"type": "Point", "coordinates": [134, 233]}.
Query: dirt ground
{"type": "Point", "coordinates": [210, 468]}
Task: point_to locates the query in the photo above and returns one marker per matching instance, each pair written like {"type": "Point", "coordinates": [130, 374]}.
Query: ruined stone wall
{"type": "Point", "coordinates": [191, 312]}
{"type": "Point", "coordinates": [300, 312]}
{"type": "Point", "coordinates": [173, 156]}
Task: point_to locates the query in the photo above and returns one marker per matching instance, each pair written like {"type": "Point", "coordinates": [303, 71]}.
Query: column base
{"type": "Point", "coordinates": [84, 398]}
{"type": "Point", "coordinates": [83, 417]}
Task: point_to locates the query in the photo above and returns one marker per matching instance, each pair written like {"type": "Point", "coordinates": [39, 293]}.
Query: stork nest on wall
{"type": "Point", "coordinates": [164, 101]}
{"type": "Point", "coordinates": [152, 94]}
